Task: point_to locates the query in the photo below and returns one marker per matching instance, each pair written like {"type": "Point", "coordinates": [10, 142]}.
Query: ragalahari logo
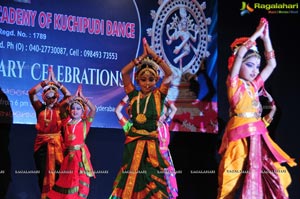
{"type": "Point", "coordinates": [245, 9]}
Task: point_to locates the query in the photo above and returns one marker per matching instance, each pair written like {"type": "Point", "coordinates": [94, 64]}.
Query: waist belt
{"type": "Point", "coordinates": [143, 131]}
{"type": "Point", "coordinates": [75, 147]}
{"type": "Point", "coordinates": [247, 115]}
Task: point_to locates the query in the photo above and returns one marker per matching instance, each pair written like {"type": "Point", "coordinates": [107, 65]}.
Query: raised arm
{"type": "Point", "coordinates": [242, 50]}
{"type": "Point", "coordinates": [35, 89]}
{"type": "Point", "coordinates": [127, 70]}
{"type": "Point", "coordinates": [89, 104]}
{"type": "Point", "coordinates": [120, 107]}
{"type": "Point", "coordinates": [269, 54]}
{"type": "Point", "coordinates": [118, 111]}
{"type": "Point", "coordinates": [163, 65]}
{"type": "Point", "coordinates": [173, 110]}
{"type": "Point", "coordinates": [169, 111]}
{"type": "Point", "coordinates": [267, 119]}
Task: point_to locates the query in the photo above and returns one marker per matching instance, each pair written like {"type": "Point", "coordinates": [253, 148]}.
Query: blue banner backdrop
{"type": "Point", "coordinates": [88, 42]}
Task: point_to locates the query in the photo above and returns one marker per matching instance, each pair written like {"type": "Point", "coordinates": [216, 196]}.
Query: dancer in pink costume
{"type": "Point", "coordinates": [164, 141]}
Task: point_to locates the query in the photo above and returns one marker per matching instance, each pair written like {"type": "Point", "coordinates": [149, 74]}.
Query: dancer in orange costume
{"type": "Point", "coordinates": [48, 142]}
{"type": "Point", "coordinates": [249, 156]}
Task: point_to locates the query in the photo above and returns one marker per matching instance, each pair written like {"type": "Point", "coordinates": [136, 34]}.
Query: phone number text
{"type": "Point", "coordinates": [57, 50]}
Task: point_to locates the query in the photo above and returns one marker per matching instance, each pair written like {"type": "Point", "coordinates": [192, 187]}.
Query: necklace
{"type": "Point", "coordinates": [45, 116]}
{"type": "Point", "coordinates": [141, 117]}
{"type": "Point", "coordinates": [252, 95]}
{"type": "Point", "coordinates": [72, 136]}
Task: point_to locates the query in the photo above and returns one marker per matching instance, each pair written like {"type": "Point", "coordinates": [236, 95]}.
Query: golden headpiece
{"type": "Point", "coordinates": [79, 100]}
{"type": "Point", "coordinates": [147, 65]}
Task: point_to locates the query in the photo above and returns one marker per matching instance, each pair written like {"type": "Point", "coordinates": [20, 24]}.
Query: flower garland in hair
{"type": "Point", "coordinates": [235, 45]}
{"type": "Point", "coordinates": [150, 62]}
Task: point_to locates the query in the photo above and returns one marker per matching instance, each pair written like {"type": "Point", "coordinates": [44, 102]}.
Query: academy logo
{"type": "Point", "coordinates": [246, 9]}
{"type": "Point", "coordinates": [270, 8]}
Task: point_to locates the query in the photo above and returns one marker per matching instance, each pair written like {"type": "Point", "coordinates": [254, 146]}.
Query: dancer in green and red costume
{"type": "Point", "coordinates": [142, 172]}
{"type": "Point", "coordinates": [169, 111]}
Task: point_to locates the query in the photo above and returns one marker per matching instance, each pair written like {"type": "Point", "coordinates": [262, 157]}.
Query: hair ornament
{"type": "Point", "coordinates": [147, 65]}
{"type": "Point", "coordinates": [79, 100]}
{"type": "Point", "coordinates": [148, 62]}
{"type": "Point", "coordinates": [238, 42]}
{"type": "Point", "coordinates": [50, 87]}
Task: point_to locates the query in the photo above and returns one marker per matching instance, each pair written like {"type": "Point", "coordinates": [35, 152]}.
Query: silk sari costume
{"type": "Point", "coordinates": [170, 173]}
{"type": "Point", "coordinates": [249, 156]}
{"type": "Point", "coordinates": [142, 172]}
{"type": "Point", "coordinates": [76, 168]}
{"type": "Point", "coordinates": [164, 140]}
{"type": "Point", "coordinates": [48, 153]}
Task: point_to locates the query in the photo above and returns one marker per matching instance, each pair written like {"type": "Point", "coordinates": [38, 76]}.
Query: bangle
{"type": "Point", "coordinates": [268, 119]}
{"type": "Point", "coordinates": [136, 61]}
{"type": "Point", "coordinates": [249, 43]}
{"type": "Point", "coordinates": [122, 103]}
{"type": "Point", "coordinates": [59, 85]}
{"type": "Point", "coordinates": [272, 103]}
{"type": "Point", "coordinates": [43, 83]}
{"type": "Point", "coordinates": [168, 119]}
{"type": "Point", "coordinates": [266, 123]}
{"type": "Point", "coordinates": [158, 59]}
{"type": "Point", "coordinates": [69, 99]}
{"type": "Point", "coordinates": [123, 121]}
{"type": "Point", "coordinates": [269, 54]}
